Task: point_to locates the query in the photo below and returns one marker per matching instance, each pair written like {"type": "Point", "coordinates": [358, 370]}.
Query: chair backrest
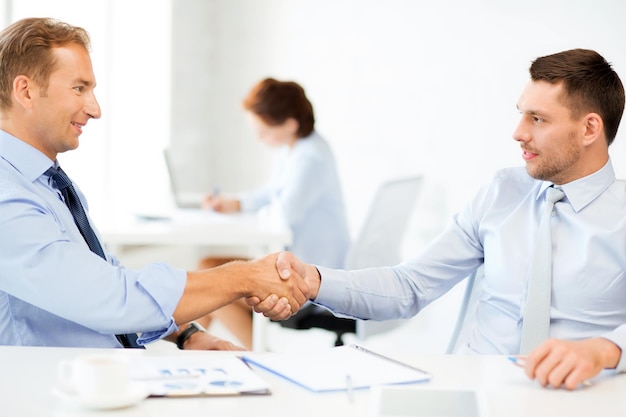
{"type": "Point", "coordinates": [467, 312]}
{"type": "Point", "coordinates": [380, 239]}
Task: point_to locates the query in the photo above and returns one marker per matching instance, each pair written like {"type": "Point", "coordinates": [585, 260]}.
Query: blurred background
{"type": "Point", "coordinates": [400, 87]}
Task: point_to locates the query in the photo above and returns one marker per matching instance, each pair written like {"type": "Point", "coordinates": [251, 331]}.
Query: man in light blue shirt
{"type": "Point", "coordinates": [570, 112]}
{"type": "Point", "coordinates": [54, 291]}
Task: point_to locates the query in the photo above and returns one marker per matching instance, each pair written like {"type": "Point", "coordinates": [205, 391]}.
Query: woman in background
{"type": "Point", "coordinates": [304, 188]}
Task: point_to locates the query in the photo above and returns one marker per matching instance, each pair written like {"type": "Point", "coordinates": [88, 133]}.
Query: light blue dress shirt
{"type": "Point", "coordinates": [305, 185]}
{"type": "Point", "coordinates": [53, 290]}
{"type": "Point", "coordinates": [498, 228]}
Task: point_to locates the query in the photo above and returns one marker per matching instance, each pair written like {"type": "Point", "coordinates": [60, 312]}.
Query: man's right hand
{"type": "Point", "coordinates": [293, 288]}
{"type": "Point", "coordinates": [289, 267]}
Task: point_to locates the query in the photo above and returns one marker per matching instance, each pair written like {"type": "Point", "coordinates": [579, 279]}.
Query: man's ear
{"type": "Point", "coordinates": [593, 129]}
{"type": "Point", "coordinates": [22, 91]}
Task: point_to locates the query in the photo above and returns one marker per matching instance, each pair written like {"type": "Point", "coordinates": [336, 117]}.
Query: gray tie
{"type": "Point", "coordinates": [536, 325]}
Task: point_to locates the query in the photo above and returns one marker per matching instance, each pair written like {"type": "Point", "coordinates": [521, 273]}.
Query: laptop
{"type": "Point", "coordinates": [182, 199]}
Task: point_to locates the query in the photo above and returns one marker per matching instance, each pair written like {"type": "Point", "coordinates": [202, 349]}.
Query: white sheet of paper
{"type": "Point", "coordinates": [339, 368]}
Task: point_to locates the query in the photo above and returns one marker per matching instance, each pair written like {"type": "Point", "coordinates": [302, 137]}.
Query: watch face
{"type": "Point", "coordinates": [197, 326]}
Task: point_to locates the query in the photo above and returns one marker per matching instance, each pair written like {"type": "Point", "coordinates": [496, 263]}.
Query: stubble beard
{"type": "Point", "coordinates": [557, 167]}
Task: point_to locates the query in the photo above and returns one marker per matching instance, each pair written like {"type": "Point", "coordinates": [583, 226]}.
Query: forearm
{"type": "Point", "coordinates": [210, 289]}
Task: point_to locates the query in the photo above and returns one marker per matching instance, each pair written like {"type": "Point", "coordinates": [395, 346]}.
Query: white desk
{"type": "Point", "coordinates": [28, 375]}
{"type": "Point", "coordinates": [199, 229]}
{"type": "Point", "coordinates": [191, 227]}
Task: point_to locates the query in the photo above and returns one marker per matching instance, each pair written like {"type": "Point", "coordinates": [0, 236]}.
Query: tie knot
{"type": "Point", "coordinates": [61, 179]}
{"type": "Point", "coordinates": [554, 194]}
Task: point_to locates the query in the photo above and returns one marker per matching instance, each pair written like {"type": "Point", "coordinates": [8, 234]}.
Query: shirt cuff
{"type": "Point", "coordinates": [332, 287]}
{"type": "Point", "coordinates": [165, 285]}
{"type": "Point", "coordinates": [149, 337]}
{"type": "Point", "coordinates": [618, 336]}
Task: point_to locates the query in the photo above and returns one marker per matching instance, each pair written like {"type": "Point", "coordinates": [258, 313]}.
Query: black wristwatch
{"type": "Point", "coordinates": [186, 334]}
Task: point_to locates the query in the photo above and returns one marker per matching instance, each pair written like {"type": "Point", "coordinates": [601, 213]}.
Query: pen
{"type": "Point", "coordinates": [519, 361]}
{"type": "Point", "coordinates": [216, 191]}
{"type": "Point", "coordinates": [362, 349]}
{"type": "Point", "coordinates": [349, 388]}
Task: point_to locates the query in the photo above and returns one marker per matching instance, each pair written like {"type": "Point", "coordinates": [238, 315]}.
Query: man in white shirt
{"type": "Point", "coordinates": [570, 112]}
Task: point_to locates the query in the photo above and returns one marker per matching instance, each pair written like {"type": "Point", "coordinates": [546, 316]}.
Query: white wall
{"type": "Point", "coordinates": [119, 161]}
{"type": "Point", "coordinates": [399, 87]}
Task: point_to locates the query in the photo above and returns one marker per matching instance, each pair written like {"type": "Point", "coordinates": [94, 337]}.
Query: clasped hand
{"type": "Point", "coordinates": [290, 269]}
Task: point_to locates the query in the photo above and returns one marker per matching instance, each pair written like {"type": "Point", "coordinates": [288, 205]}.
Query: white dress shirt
{"type": "Point", "coordinates": [498, 228]}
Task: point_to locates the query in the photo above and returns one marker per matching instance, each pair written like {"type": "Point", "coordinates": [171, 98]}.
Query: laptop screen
{"type": "Point", "coordinates": [182, 199]}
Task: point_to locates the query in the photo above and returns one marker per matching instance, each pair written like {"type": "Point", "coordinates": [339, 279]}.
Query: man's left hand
{"type": "Point", "coordinates": [562, 363]}
{"type": "Point", "coordinates": [206, 341]}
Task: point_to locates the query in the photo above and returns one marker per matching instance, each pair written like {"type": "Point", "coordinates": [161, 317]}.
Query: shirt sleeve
{"type": "Point", "coordinates": [303, 186]}
{"type": "Point", "coordinates": [296, 184]}
{"type": "Point", "coordinates": [403, 290]}
{"type": "Point", "coordinates": [45, 265]}
{"type": "Point", "coordinates": [253, 200]}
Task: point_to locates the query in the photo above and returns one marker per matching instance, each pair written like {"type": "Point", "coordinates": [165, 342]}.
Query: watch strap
{"type": "Point", "coordinates": [186, 334]}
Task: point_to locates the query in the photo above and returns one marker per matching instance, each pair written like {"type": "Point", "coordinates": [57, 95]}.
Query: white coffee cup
{"type": "Point", "coordinates": [96, 376]}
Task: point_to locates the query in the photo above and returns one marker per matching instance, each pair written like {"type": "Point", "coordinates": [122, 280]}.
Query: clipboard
{"type": "Point", "coordinates": [341, 368]}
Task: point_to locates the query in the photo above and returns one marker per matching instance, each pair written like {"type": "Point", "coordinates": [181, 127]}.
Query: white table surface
{"type": "Point", "coordinates": [29, 374]}
{"type": "Point", "coordinates": [195, 227]}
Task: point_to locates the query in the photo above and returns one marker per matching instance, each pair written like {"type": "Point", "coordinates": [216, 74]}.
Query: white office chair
{"type": "Point", "coordinates": [377, 244]}
{"type": "Point", "coordinates": [467, 312]}
{"type": "Point", "coordinates": [380, 239]}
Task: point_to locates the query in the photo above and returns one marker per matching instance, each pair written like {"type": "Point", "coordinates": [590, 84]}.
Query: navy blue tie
{"type": "Point", "coordinates": [64, 184]}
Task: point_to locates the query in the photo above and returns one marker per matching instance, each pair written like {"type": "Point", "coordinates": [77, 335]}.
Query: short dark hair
{"type": "Point", "coordinates": [276, 101]}
{"type": "Point", "coordinates": [589, 84]}
{"type": "Point", "coordinates": [26, 49]}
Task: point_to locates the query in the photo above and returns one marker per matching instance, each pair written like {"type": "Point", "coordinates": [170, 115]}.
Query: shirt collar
{"type": "Point", "coordinates": [30, 162]}
{"type": "Point", "coordinates": [584, 190]}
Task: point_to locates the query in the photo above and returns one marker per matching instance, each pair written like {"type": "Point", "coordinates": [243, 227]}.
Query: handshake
{"type": "Point", "coordinates": [276, 285]}
{"type": "Point", "coordinates": [281, 298]}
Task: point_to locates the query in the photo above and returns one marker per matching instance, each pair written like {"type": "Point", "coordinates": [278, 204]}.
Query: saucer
{"type": "Point", "coordinates": [136, 393]}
